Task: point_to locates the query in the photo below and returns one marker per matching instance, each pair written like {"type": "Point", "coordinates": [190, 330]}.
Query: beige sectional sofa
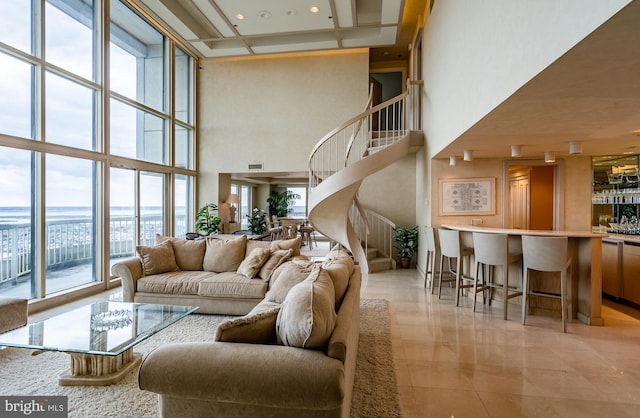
{"type": "Point", "coordinates": [292, 355]}
{"type": "Point", "coordinates": [219, 276]}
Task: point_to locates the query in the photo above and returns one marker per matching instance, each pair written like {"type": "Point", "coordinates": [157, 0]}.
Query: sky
{"type": "Point", "coordinates": [68, 109]}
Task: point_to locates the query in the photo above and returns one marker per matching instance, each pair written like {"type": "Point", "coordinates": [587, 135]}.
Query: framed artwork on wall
{"type": "Point", "coordinates": [470, 196]}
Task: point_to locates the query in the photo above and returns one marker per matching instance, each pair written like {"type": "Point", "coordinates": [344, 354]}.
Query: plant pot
{"type": "Point", "coordinates": [405, 263]}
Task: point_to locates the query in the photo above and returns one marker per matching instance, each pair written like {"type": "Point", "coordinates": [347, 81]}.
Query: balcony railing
{"type": "Point", "coordinates": [71, 242]}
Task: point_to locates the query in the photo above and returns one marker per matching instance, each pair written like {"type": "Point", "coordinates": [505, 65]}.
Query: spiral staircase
{"type": "Point", "coordinates": [361, 146]}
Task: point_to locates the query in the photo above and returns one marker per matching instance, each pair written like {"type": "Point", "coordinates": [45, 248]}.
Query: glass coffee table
{"type": "Point", "coordinates": [99, 337]}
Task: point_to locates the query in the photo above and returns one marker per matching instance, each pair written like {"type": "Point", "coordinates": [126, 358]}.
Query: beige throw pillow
{"type": "Point", "coordinates": [250, 266]}
{"type": "Point", "coordinates": [224, 255]}
{"type": "Point", "coordinates": [287, 244]}
{"type": "Point", "coordinates": [259, 328]}
{"type": "Point", "coordinates": [275, 259]}
{"type": "Point", "coordinates": [285, 277]}
{"type": "Point", "coordinates": [307, 316]}
{"type": "Point", "coordinates": [157, 259]}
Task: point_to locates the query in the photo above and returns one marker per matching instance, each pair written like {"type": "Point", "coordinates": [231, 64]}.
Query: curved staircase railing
{"type": "Point", "coordinates": [339, 162]}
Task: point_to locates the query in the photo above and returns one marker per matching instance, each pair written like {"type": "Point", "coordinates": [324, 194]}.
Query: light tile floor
{"type": "Point", "coordinates": [451, 362]}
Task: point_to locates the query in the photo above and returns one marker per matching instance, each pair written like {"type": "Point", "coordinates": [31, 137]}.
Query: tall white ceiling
{"type": "Point", "coordinates": [224, 28]}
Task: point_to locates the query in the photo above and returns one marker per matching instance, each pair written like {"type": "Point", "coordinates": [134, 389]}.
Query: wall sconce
{"type": "Point", "coordinates": [575, 147]}
{"type": "Point", "coordinates": [452, 161]}
{"type": "Point", "coordinates": [232, 200]}
{"type": "Point", "coordinates": [549, 157]}
{"type": "Point", "coordinates": [468, 155]}
{"type": "Point", "coordinates": [516, 150]}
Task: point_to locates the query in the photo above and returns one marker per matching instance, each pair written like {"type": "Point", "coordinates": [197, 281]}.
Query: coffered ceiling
{"type": "Point", "coordinates": [224, 28]}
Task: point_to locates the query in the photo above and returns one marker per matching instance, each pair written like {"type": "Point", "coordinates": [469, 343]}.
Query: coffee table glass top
{"type": "Point", "coordinates": [106, 328]}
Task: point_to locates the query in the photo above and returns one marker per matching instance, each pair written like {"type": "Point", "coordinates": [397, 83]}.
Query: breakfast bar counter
{"type": "Point", "coordinates": [585, 250]}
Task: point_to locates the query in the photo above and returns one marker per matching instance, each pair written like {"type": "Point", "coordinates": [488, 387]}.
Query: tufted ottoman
{"type": "Point", "coordinates": [13, 313]}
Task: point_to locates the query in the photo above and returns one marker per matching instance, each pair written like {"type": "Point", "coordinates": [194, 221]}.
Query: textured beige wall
{"type": "Point", "coordinates": [392, 191]}
{"type": "Point", "coordinates": [273, 110]}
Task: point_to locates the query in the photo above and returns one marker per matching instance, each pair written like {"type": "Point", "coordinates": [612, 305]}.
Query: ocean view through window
{"type": "Point", "coordinates": [89, 172]}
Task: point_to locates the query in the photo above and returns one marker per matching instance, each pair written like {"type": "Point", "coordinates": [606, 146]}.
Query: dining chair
{"type": "Point", "coordinates": [547, 254]}
{"type": "Point", "coordinates": [451, 248]}
{"type": "Point", "coordinates": [274, 228]}
{"type": "Point", "coordinates": [491, 251]}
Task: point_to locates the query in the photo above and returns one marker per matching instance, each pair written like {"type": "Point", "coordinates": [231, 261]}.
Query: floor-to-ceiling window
{"type": "Point", "coordinates": [97, 145]}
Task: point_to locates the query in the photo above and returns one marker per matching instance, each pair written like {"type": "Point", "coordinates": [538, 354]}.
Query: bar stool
{"type": "Point", "coordinates": [492, 250]}
{"type": "Point", "coordinates": [547, 254]}
{"type": "Point", "coordinates": [433, 250]}
{"type": "Point", "coordinates": [451, 247]}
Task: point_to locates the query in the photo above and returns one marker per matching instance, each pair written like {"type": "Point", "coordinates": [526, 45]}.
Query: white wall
{"type": "Point", "coordinates": [475, 55]}
{"type": "Point", "coordinates": [478, 53]}
{"type": "Point", "coordinates": [273, 110]}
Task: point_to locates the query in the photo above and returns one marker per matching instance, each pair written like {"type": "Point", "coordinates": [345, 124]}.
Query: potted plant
{"type": "Point", "coordinates": [406, 242]}
{"type": "Point", "coordinates": [257, 221]}
{"type": "Point", "coordinates": [279, 203]}
{"type": "Point", "coordinates": [207, 219]}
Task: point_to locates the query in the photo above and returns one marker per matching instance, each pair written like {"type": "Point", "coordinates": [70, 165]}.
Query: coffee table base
{"type": "Point", "coordinates": [99, 370]}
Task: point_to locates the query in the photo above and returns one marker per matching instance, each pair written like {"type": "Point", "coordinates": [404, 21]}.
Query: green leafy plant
{"type": "Point", "coordinates": [280, 203]}
{"type": "Point", "coordinates": [257, 221]}
{"type": "Point", "coordinates": [406, 241]}
{"type": "Point", "coordinates": [207, 219]}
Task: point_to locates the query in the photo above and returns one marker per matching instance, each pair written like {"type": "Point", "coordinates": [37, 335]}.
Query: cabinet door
{"type": "Point", "coordinates": [631, 275]}
{"type": "Point", "coordinates": [611, 272]}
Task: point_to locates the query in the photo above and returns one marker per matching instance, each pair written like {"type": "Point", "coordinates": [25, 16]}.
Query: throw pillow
{"type": "Point", "coordinates": [157, 259]}
{"type": "Point", "coordinates": [275, 259]}
{"type": "Point", "coordinates": [224, 255]}
{"type": "Point", "coordinates": [286, 244]}
{"type": "Point", "coordinates": [307, 316]}
{"type": "Point", "coordinates": [189, 253]}
{"type": "Point", "coordinates": [250, 266]}
{"type": "Point", "coordinates": [285, 277]}
{"type": "Point", "coordinates": [258, 328]}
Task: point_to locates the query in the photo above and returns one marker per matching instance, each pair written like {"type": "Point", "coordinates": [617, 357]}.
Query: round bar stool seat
{"type": "Point", "coordinates": [492, 250]}
{"type": "Point", "coordinates": [548, 254]}
{"type": "Point", "coordinates": [451, 247]}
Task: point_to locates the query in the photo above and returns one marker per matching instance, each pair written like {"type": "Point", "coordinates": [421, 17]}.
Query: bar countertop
{"type": "Point", "coordinates": [585, 249]}
{"type": "Point", "coordinates": [570, 234]}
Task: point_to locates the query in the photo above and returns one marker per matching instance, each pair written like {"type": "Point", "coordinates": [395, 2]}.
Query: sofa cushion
{"type": "Point", "coordinates": [178, 283]}
{"type": "Point", "coordinates": [285, 277]}
{"type": "Point", "coordinates": [224, 255]}
{"type": "Point", "coordinates": [287, 244]}
{"type": "Point", "coordinates": [339, 270]}
{"type": "Point", "coordinates": [252, 244]}
{"type": "Point", "coordinates": [189, 253]}
{"type": "Point", "coordinates": [276, 258]}
{"type": "Point", "coordinates": [157, 259]}
{"type": "Point", "coordinates": [250, 266]}
{"type": "Point", "coordinates": [232, 285]}
{"type": "Point", "coordinates": [257, 328]}
{"type": "Point", "coordinates": [307, 315]}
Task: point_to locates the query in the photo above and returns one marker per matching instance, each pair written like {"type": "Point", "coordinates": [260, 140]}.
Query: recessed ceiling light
{"type": "Point", "coordinates": [314, 9]}
{"type": "Point", "coordinates": [264, 14]}
{"type": "Point", "coordinates": [239, 16]}
{"type": "Point", "coordinates": [292, 12]}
